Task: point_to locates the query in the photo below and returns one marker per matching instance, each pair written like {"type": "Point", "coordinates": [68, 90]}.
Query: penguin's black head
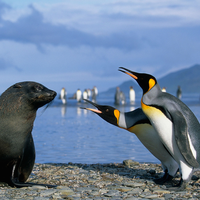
{"type": "Point", "coordinates": [107, 113]}
{"type": "Point", "coordinates": [146, 81]}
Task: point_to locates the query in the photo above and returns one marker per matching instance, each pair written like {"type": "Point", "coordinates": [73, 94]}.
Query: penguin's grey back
{"type": "Point", "coordinates": [167, 103]}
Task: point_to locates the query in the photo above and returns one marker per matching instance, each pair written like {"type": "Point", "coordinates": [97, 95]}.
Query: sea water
{"type": "Point", "coordinates": [68, 133]}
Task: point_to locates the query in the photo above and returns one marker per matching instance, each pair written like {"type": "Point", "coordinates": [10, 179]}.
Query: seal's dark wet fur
{"type": "Point", "coordinates": [18, 106]}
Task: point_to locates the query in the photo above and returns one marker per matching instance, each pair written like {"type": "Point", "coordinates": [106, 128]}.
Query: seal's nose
{"type": "Point", "coordinates": [52, 94]}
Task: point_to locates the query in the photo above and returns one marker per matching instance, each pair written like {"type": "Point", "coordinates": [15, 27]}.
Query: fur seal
{"type": "Point", "coordinates": [18, 106]}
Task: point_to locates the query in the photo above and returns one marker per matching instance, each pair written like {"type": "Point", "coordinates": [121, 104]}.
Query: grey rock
{"type": "Point", "coordinates": [99, 181]}
{"type": "Point", "coordinates": [168, 196]}
{"type": "Point", "coordinates": [112, 193]}
{"type": "Point", "coordinates": [46, 193]}
{"type": "Point", "coordinates": [135, 191]}
{"type": "Point", "coordinates": [130, 163]}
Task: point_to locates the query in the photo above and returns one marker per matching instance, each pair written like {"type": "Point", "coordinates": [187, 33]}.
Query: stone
{"type": "Point", "coordinates": [66, 192]}
{"type": "Point", "coordinates": [135, 191]}
{"type": "Point", "coordinates": [111, 193]}
{"type": "Point", "coordinates": [124, 189]}
{"type": "Point", "coordinates": [153, 196]}
{"type": "Point", "coordinates": [130, 163]}
{"type": "Point", "coordinates": [134, 184]}
{"type": "Point", "coordinates": [168, 196]}
{"type": "Point", "coordinates": [160, 191]}
{"type": "Point", "coordinates": [49, 192]}
{"type": "Point", "coordinates": [113, 181]}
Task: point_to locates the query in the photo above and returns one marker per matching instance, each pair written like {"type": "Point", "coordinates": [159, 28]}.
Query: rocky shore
{"type": "Point", "coordinates": [129, 180]}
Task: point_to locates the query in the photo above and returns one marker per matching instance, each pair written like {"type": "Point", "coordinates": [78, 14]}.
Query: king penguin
{"type": "Point", "coordinates": [137, 122]}
{"type": "Point", "coordinates": [63, 95]}
{"type": "Point", "coordinates": [175, 123]}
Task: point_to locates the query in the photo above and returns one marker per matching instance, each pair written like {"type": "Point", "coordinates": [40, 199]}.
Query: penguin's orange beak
{"type": "Point", "coordinates": [130, 73]}
{"type": "Point", "coordinates": [93, 110]}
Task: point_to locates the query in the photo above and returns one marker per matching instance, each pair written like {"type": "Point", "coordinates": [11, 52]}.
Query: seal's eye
{"type": "Point", "coordinates": [38, 88]}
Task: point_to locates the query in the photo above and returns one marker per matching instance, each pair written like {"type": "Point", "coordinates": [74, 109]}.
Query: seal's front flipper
{"type": "Point", "coordinates": [14, 180]}
{"type": "Point", "coordinates": [16, 183]}
{"type": "Point", "coordinates": [26, 164]}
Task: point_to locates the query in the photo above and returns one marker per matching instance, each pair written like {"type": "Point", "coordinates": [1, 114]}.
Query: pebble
{"type": "Point", "coordinates": [129, 180]}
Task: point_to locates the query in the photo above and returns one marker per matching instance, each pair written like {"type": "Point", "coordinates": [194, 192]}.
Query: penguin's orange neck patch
{"type": "Point", "coordinates": [144, 106]}
{"type": "Point", "coordinates": [152, 82]}
{"type": "Point", "coordinates": [117, 113]}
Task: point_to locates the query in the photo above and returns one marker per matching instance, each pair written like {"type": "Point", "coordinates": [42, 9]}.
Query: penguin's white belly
{"type": "Point", "coordinates": [85, 95]}
{"type": "Point", "coordinates": [165, 131]}
{"type": "Point", "coordinates": [164, 128]}
{"type": "Point", "coordinates": [78, 96]}
{"type": "Point", "coordinates": [150, 139]}
{"type": "Point", "coordinates": [132, 96]}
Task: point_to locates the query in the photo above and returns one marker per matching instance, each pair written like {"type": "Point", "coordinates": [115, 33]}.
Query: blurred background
{"type": "Point", "coordinates": [77, 46]}
{"type": "Point", "coordinates": [80, 44]}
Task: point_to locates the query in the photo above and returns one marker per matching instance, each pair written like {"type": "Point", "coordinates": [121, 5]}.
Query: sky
{"type": "Point", "coordinates": [81, 44]}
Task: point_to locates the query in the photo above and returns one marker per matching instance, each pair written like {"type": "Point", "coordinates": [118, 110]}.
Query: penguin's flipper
{"type": "Point", "coordinates": [181, 135]}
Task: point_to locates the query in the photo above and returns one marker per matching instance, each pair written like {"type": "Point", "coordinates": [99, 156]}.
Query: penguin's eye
{"type": "Point", "coordinates": [107, 110]}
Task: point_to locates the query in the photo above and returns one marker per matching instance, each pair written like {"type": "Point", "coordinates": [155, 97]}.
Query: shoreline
{"type": "Point", "coordinates": [128, 180]}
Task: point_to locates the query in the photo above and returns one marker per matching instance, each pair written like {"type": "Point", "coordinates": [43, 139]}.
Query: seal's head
{"type": "Point", "coordinates": [27, 94]}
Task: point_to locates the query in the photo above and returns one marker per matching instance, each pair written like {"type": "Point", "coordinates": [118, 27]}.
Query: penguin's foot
{"type": "Point", "coordinates": [179, 187]}
{"type": "Point", "coordinates": [164, 179]}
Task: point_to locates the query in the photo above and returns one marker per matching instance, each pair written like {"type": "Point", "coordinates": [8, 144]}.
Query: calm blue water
{"type": "Point", "coordinates": [70, 134]}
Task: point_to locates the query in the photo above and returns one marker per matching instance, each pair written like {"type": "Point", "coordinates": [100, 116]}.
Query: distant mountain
{"type": "Point", "coordinates": [188, 79]}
